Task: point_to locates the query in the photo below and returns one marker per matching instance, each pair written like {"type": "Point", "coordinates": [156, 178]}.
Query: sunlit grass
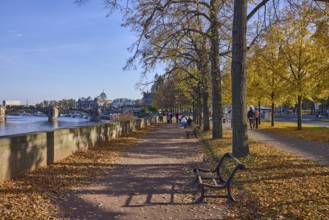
{"type": "Point", "coordinates": [308, 132]}
{"type": "Point", "coordinates": [275, 184]}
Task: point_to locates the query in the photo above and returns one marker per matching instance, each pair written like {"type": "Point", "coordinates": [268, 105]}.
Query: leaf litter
{"type": "Point", "coordinates": [35, 195]}
{"type": "Point", "coordinates": [275, 184]}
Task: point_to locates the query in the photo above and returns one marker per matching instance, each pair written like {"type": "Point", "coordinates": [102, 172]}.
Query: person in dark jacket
{"type": "Point", "coordinates": [251, 117]}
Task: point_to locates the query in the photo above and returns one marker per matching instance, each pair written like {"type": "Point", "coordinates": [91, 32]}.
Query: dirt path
{"type": "Point", "coordinates": [153, 180]}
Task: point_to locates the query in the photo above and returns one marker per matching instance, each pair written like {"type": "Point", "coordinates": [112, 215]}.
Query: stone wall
{"type": "Point", "coordinates": [23, 153]}
{"type": "Point", "coordinates": [2, 113]}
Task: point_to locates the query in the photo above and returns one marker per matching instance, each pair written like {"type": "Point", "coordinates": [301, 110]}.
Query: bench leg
{"type": "Point", "coordinates": [200, 199]}
{"type": "Point", "coordinates": [230, 196]}
{"type": "Point", "coordinates": [196, 179]}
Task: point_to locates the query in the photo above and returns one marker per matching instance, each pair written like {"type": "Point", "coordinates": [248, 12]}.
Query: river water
{"type": "Point", "coordinates": [26, 124]}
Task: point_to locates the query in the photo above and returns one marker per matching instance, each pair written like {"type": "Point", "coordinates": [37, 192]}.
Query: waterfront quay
{"type": "Point", "coordinates": [23, 153]}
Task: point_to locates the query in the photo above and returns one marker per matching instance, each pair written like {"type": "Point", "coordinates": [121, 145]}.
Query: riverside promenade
{"type": "Point", "coordinates": [148, 175]}
{"type": "Point", "coordinates": [152, 180]}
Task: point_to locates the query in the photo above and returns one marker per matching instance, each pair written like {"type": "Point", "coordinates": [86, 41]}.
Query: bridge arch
{"type": "Point", "coordinates": [51, 112]}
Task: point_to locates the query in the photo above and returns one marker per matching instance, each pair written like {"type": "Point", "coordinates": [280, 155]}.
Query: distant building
{"type": "Point", "coordinates": [148, 98]}
{"type": "Point", "coordinates": [120, 102]}
{"type": "Point", "coordinates": [11, 102]}
{"type": "Point", "coordinates": [139, 102]}
{"type": "Point", "coordinates": [98, 101]}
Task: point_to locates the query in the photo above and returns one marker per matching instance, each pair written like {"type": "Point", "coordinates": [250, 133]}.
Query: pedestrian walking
{"type": "Point", "coordinates": [251, 117]}
{"type": "Point", "coordinates": [179, 117]}
{"type": "Point", "coordinates": [176, 116]}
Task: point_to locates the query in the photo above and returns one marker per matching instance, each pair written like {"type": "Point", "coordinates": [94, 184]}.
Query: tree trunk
{"type": "Point", "coordinates": [272, 114]}
{"type": "Point", "coordinates": [203, 68]}
{"type": "Point", "coordinates": [206, 124]}
{"type": "Point", "coordinates": [217, 131]}
{"type": "Point", "coordinates": [259, 119]}
{"type": "Point", "coordinates": [299, 109]}
{"type": "Point", "coordinates": [240, 146]}
{"type": "Point", "coordinates": [193, 111]}
{"type": "Point", "coordinates": [199, 110]}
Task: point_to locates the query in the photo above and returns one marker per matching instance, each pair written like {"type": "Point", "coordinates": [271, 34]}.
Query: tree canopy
{"type": "Point", "coordinates": [285, 43]}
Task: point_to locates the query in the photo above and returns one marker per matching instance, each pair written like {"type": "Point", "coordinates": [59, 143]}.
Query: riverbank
{"type": "Point", "coordinates": [36, 195]}
{"type": "Point", "coordinates": [148, 175]}
{"type": "Point", "coordinates": [22, 153]}
{"type": "Point", "coordinates": [152, 178]}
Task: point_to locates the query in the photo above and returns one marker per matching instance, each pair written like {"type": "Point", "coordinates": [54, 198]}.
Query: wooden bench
{"type": "Point", "coordinates": [219, 178]}
{"type": "Point", "coordinates": [194, 132]}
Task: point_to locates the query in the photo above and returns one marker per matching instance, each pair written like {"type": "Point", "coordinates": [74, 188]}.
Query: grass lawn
{"type": "Point", "coordinates": [275, 184]}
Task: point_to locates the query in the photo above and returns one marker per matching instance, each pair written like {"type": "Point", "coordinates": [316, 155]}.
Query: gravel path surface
{"type": "Point", "coordinates": [153, 180]}
{"type": "Point", "coordinates": [312, 150]}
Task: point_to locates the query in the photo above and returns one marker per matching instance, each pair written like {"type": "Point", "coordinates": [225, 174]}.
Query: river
{"type": "Point", "coordinates": [26, 124]}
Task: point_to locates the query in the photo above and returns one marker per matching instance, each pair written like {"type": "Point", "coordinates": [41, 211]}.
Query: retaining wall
{"type": "Point", "coordinates": [23, 153]}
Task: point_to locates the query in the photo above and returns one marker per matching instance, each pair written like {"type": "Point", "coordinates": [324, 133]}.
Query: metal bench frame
{"type": "Point", "coordinates": [217, 180]}
{"type": "Point", "coordinates": [194, 132]}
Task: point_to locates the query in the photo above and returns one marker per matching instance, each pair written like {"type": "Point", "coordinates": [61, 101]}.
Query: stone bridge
{"type": "Point", "coordinates": [51, 112]}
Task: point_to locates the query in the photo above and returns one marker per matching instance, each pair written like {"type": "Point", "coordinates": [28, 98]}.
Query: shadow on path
{"type": "Point", "coordinates": [153, 180]}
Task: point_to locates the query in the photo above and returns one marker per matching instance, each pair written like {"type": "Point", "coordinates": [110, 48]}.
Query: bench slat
{"type": "Point", "coordinates": [215, 182]}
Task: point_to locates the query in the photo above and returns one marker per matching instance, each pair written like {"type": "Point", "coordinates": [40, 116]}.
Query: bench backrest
{"type": "Point", "coordinates": [227, 167]}
{"type": "Point", "coordinates": [196, 129]}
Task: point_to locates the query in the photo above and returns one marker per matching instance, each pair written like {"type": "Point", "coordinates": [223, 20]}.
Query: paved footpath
{"type": "Point", "coordinates": [309, 149]}
{"type": "Point", "coordinates": [153, 180]}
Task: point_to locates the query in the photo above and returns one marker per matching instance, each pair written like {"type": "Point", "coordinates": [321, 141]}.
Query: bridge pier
{"type": "Point", "coordinates": [2, 113]}
{"type": "Point", "coordinates": [52, 114]}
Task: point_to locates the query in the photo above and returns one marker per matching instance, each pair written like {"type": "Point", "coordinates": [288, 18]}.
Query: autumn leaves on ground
{"type": "Point", "coordinates": [275, 185]}
{"type": "Point", "coordinates": [35, 195]}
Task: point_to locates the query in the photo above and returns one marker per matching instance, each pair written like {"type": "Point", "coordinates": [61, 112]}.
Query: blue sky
{"type": "Point", "coordinates": [54, 49]}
